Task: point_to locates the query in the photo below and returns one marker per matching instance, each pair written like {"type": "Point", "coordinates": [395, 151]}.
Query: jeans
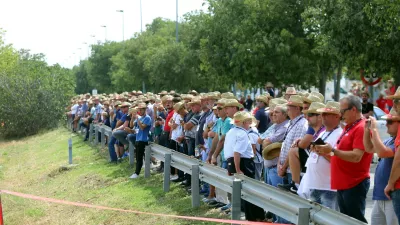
{"type": "Point", "coordinates": [190, 152]}
{"type": "Point", "coordinates": [383, 213]}
{"type": "Point", "coordinates": [121, 135]}
{"type": "Point", "coordinates": [325, 198]}
{"type": "Point", "coordinates": [395, 195]}
{"type": "Point", "coordinates": [287, 179]}
{"type": "Point", "coordinates": [111, 149]}
{"type": "Point", "coordinates": [272, 177]}
{"type": "Point", "coordinates": [352, 201]}
{"type": "Point", "coordinates": [132, 138]}
{"type": "Point", "coordinates": [259, 169]}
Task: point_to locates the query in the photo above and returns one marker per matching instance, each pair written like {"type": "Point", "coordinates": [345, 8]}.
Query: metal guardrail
{"type": "Point", "coordinates": [291, 207]}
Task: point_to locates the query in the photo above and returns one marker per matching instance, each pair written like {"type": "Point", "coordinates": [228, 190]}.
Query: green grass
{"type": "Point", "coordinates": [32, 165]}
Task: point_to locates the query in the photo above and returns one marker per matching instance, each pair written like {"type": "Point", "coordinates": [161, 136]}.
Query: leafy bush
{"type": "Point", "coordinates": [33, 95]}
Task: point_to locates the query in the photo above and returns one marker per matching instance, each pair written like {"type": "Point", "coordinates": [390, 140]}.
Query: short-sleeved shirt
{"type": "Point", "coordinates": [202, 124]}
{"type": "Point", "coordinates": [195, 119]}
{"type": "Point", "coordinates": [99, 110]}
{"type": "Point", "coordinates": [93, 112]}
{"type": "Point", "coordinates": [167, 128]}
{"type": "Point", "coordinates": [366, 108]}
{"type": "Point", "coordinates": [73, 109]}
{"type": "Point", "coordinates": [310, 131]}
{"type": "Point", "coordinates": [254, 135]}
{"type": "Point", "coordinates": [297, 129]}
{"type": "Point", "coordinates": [382, 173]}
{"type": "Point", "coordinates": [397, 144]}
{"type": "Point", "coordinates": [123, 118]}
{"type": "Point", "coordinates": [143, 135]}
{"type": "Point", "coordinates": [237, 140]}
{"type": "Point", "coordinates": [222, 127]}
{"type": "Point", "coordinates": [84, 109]}
{"type": "Point", "coordinates": [178, 131]}
{"type": "Point", "coordinates": [263, 118]}
{"type": "Point", "coordinates": [346, 175]}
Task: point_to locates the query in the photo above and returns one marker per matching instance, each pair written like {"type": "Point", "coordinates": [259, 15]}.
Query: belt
{"type": "Point", "coordinates": [272, 167]}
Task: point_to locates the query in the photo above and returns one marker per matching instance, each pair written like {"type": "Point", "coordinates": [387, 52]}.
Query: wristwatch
{"type": "Point", "coordinates": [332, 152]}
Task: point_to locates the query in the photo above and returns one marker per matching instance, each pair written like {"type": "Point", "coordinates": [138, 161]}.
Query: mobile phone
{"type": "Point", "coordinates": [319, 141]}
{"type": "Point", "coordinates": [369, 123]}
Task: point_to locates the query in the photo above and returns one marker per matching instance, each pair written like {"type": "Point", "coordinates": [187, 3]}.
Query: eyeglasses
{"type": "Point", "coordinates": [312, 114]}
{"type": "Point", "coordinates": [342, 111]}
{"type": "Point", "coordinates": [220, 108]}
{"type": "Point", "coordinates": [395, 101]}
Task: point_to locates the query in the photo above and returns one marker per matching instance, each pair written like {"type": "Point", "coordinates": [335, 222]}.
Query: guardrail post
{"type": "Point", "coordinates": [96, 133]}
{"type": "Point", "coordinates": [90, 133]}
{"type": "Point", "coordinates": [147, 161]}
{"type": "Point", "coordinates": [236, 198]}
{"type": "Point", "coordinates": [195, 186]}
{"type": "Point", "coordinates": [304, 216]}
{"type": "Point", "coordinates": [70, 151]}
{"type": "Point", "coordinates": [131, 154]}
{"type": "Point", "coordinates": [167, 172]}
{"type": "Point", "coordinates": [103, 137]}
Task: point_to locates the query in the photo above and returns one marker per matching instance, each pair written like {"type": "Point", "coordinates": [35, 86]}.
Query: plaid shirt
{"type": "Point", "coordinates": [296, 130]}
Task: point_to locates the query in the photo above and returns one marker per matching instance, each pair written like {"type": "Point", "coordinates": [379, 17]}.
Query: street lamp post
{"type": "Point", "coordinates": [105, 32]}
{"type": "Point", "coordinates": [85, 43]}
{"type": "Point", "coordinates": [177, 21]}
{"type": "Point", "coordinates": [141, 18]}
{"type": "Point", "coordinates": [123, 30]}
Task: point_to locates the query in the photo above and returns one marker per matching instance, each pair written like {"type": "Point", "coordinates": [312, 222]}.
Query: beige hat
{"type": "Point", "coordinates": [131, 110]}
{"type": "Point", "coordinates": [187, 97]}
{"type": "Point", "coordinates": [163, 93]}
{"type": "Point", "coordinates": [233, 103]}
{"type": "Point", "coordinates": [264, 98]}
{"type": "Point", "coordinates": [178, 106]}
{"type": "Point", "coordinates": [142, 106]}
{"type": "Point", "coordinates": [167, 98]}
{"type": "Point", "coordinates": [195, 101]}
{"type": "Point", "coordinates": [314, 107]}
{"type": "Point", "coordinates": [222, 101]}
{"type": "Point", "coordinates": [241, 116]}
{"type": "Point", "coordinates": [213, 95]}
{"type": "Point", "coordinates": [393, 115]}
{"type": "Point", "coordinates": [125, 104]}
{"type": "Point", "coordinates": [290, 91]}
{"type": "Point", "coordinates": [117, 103]}
{"type": "Point", "coordinates": [193, 92]}
{"type": "Point", "coordinates": [295, 100]}
{"type": "Point", "coordinates": [331, 107]}
{"type": "Point", "coordinates": [314, 97]}
{"type": "Point", "coordinates": [228, 95]}
{"type": "Point", "coordinates": [272, 151]}
{"type": "Point", "coordinates": [395, 96]}
{"type": "Point", "coordinates": [269, 85]}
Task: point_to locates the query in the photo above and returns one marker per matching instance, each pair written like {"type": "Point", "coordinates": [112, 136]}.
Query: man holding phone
{"type": "Point", "coordinates": [318, 175]}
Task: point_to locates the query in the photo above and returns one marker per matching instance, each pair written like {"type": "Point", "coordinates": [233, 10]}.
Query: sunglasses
{"type": "Point", "coordinates": [312, 114]}
{"type": "Point", "coordinates": [390, 122]}
{"type": "Point", "coordinates": [220, 108]}
{"type": "Point", "coordinates": [396, 101]}
{"type": "Point", "coordinates": [342, 111]}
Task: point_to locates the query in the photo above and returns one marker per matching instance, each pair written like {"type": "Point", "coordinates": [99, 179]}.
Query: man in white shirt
{"type": "Point", "coordinates": [239, 154]}
{"type": "Point", "coordinates": [318, 175]}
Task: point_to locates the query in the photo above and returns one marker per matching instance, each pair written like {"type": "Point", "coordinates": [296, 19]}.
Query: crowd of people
{"type": "Point", "coordinates": [298, 143]}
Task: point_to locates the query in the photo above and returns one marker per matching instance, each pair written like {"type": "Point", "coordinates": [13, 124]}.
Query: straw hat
{"type": "Point", "coordinates": [187, 97]}
{"type": "Point", "coordinates": [118, 103]}
{"type": "Point", "coordinates": [272, 151]}
{"type": "Point", "coordinates": [395, 96]}
{"type": "Point", "coordinates": [178, 106]}
{"type": "Point", "coordinates": [193, 92]}
{"type": "Point", "coordinates": [212, 95]}
{"type": "Point", "coordinates": [314, 107]}
{"type": "Point", "coordinates": [290, 91]}
{"type": "Point", "coordinates": [228, 95]}
{"type": "Point", "coordinates": [195, 101]}
{"type": "Point", "coordinates": [295, 100]}
{"type": "Point", "coordinates": [264, 98]}
{"type": "Point", "coordinates": [142, 106]}
{"type": "Point", "coordinates": [221, 102]}
{"type": "Point", "coordinates": [163, 93]}
{"type": "Point", "coordinates": [233, 103]}
{"type": "Point", "coordinates": [131, 110]}
{"type": "Point", "coordinates": [314, 97]}
{"type": "Point", "coordinates": [393, 115]}
{"type": "Point", "coordinates": [269, 85]}
{"type": "Point", "coordinates": [241, 116]}
{"type": "Point", "coordinates": [167, 98]}
{"type": "Point", "coordinates": [331, 107]}
{"type": "Point", "coordinates": [126, 104]}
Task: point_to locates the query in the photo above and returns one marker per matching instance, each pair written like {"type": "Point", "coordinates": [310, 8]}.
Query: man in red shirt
{"type": "Point", "coordinates": [165, 136]}
{"type": "Point", "coordinates": [392, 190]}
{"type": "Point", "coordinates": [349, 162]}
{"type": "Point", "coordinates": [381, 102]}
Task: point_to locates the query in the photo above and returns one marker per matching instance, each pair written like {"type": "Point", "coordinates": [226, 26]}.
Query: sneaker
{"type": "Point", "coordinates": [228, 206]}
{"type": "Point", "coordinates": [173, 177]}
{"type": "Point", "coordinates": [205, 200]}
{"type": "Point", "coordinates": [288, 187]}
{"type": "Point", "coordinates": [125, 155]}
{"type": "Point", "coordinates": [134, 176]}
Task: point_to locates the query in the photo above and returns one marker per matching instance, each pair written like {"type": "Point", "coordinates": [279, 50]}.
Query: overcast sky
{"type": "Point", "coordinates": [58, 28]}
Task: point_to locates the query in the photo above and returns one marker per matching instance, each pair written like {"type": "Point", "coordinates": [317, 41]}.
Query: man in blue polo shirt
{"type": "Point", "coordinates": [121, 124]}
{"type": "Point", "coordinates": [142, 137]}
